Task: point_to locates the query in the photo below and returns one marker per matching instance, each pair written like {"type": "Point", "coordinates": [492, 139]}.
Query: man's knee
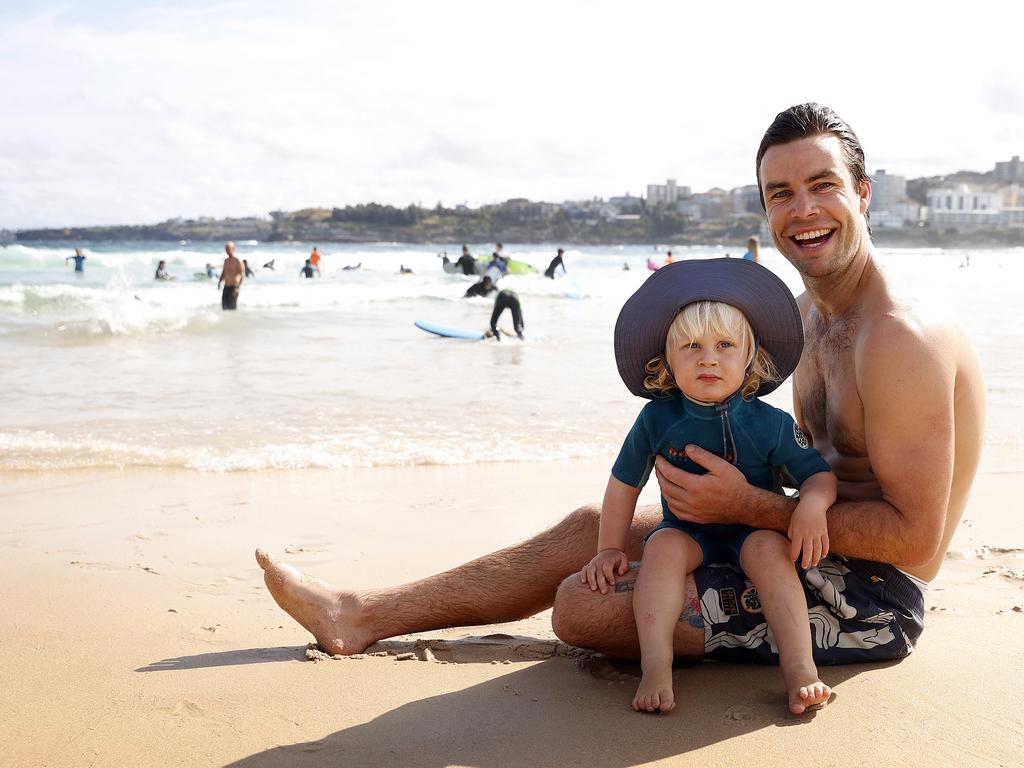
{"type": "Point", "coordinates": [586, 618]}
{"type": "Point", "coordinates": [582, 523]}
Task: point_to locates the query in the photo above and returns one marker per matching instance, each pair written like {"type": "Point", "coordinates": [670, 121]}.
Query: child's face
{"type": "Point", "coordinates": [708, 368]}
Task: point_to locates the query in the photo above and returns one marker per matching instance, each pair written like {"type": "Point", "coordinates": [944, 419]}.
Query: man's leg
{"type": "Point", "coordinates": [606, 623]}
{"type": "Point", "coordinates": [507, 585]}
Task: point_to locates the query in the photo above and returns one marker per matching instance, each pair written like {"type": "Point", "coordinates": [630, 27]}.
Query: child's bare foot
{"type": "Point", "coordinates": [806, 691]}
{"type": "Point", "coordinates": [655, 691]}
{"type": "Point", "coordinates": [333, 617]}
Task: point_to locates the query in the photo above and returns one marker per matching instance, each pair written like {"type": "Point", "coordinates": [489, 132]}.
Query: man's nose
{"type": "Point", "coordinates": [805, 205]}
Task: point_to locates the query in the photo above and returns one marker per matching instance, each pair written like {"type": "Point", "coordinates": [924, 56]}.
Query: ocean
{"type": "Point", "coordinates": [111, 368]}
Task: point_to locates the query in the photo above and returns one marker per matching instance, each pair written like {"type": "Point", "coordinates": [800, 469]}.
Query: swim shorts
{"type": "Point", "coordinates": [229, 298]}
{"type": "Point", "coordinates": [860, 611]}
{"type": "Point", "coordinates": [719, 542]}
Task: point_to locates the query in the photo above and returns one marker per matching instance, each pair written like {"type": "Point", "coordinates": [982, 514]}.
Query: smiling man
{"type": "Point", "coordinates": [889, 392]}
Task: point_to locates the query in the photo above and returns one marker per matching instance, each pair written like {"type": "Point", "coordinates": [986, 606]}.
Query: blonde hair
{"type": "Point", "coordinates": [717, 319]}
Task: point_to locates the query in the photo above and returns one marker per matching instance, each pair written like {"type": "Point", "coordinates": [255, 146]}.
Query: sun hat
{"type": "Point", "coordinates": [758, 292]}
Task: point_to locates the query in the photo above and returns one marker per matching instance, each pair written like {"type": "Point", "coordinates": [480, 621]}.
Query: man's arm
{"type": "Point", "coordinates": [905, 377]}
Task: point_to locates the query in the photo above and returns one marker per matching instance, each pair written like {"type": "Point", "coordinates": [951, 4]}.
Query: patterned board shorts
{"type": "Point", "coordinates": [859, 610]}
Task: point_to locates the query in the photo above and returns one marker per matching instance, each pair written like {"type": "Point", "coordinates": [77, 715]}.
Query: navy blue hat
{"type": "Point", "coordinates": [757, 292]}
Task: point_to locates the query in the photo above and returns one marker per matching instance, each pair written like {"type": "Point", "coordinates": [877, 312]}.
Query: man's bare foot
{"type": "Point", "coordinates": [333, 617]}
{"type": "Point", "coordinates": [806, 691]}
{"type": "Point", "coordinates": [655, 691]}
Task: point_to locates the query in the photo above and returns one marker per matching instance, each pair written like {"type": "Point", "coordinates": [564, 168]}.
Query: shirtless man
{"type": "Point", "coordinates": [231, 276]}
{"type": "Point", "coordinates": [889, 392]}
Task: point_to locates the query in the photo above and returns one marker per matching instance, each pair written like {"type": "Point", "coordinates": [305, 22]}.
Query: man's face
{"type": "Point", "coordinates": [815, 211]}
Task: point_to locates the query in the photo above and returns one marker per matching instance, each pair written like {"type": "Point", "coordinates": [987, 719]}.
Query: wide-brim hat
{"type": "Point", "coordinates": [759, 293]}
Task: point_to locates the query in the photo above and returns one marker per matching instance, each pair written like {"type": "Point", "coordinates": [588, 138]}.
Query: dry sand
{"type": "Point", "coordinates": [136, 631]}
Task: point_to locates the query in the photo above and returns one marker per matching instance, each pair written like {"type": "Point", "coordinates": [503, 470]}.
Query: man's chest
{"type": "Point", "coordinates": [825, 389]}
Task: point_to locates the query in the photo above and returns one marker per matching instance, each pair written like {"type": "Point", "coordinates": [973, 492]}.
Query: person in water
{"type": "Point", "coordinates": [555, 264]}
{"type": "Point", "coordinates": [232, 274]}
{"type": "Point", "coordinates": [248, 271]}
{"type": "Point", "coordinates": [507, 299]}
{"type": "Point", "coordinates": [480, 288]}
{"type": "Point", "coordinates": [79, 258]}
{"type": "Point", "coordinates": [161, 271]}
{"type": "Point", "coordinates": [314, 259]}
{"type": "Point", "coordinates": [270, 265]}
{"type": "Point", "coordinates": [753, 250]}
{"type": "Point", "coordinates": [308, 270]}
{"type": "Point", "coordinates": [701, 339]}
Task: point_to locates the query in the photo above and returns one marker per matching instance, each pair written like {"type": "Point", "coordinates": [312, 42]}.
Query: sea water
{"type": "Point", "coordinates": [111, 368]}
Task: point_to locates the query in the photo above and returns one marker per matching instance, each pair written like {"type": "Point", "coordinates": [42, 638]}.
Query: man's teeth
{"type": "Point", "coordinates": [811, 235]}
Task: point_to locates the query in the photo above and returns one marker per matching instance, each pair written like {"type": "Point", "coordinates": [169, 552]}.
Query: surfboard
{"type": "Point", "coordinates": [448, 332]}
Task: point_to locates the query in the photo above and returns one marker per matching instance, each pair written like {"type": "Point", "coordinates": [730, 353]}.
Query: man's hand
{"type": "Point", "coordinates": [720, 496]}
{"type": "Point", "coordinates": [600, 572]}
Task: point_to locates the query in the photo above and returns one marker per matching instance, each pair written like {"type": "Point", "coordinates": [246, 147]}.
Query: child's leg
{"type": "Point", "coordinates": [765, 559]}
{"type": "Point", "coordinates": [657, 602]}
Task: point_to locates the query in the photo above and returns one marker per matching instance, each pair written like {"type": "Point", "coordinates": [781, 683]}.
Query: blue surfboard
{"type": "Point", "coordinates": [448, 332]}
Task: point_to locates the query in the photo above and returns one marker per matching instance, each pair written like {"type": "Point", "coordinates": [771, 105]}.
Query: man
{"type": "Point", "coordinates": [231, 276]}
{"type": "Point", "coordinates": [890, 395]}
{"type": "Point", "coordinates": [555, 264]}
{"type": "Point", "coordinates": [466, 261]}
{"type": "Point", "coordinates": [79, 258]}
{"type": "Point", "coordinates": [308, 270]}
{"type": "Point", "coordinates": [314, 259]}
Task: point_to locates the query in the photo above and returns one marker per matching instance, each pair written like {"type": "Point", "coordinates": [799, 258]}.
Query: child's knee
{"type": "Point", "coordinates": [763, 546]}
{"type": "Point", "coordinates": [669, 545]}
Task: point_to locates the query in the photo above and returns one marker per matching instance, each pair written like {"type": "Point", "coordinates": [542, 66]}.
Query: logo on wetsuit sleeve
{"type": "Point", "coordinates": [800, 437]}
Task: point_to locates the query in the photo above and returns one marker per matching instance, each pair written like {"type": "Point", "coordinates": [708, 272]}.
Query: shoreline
{"type": "Point", "coordinates": [137, 631]}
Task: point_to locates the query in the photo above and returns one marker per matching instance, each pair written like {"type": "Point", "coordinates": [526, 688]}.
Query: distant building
{"type": "Point", "coordinates": [961, 207]}
{"type": "Point", "coordinates": [890, 207]}
{"type": "Point", "coordinates": [666, 194]}
{"type": "Point", "coordinates": [1011, 170]}
{"type": "Point", "coordinates": [746, 199]}
{"type": "Point", "coordinates": [626, 203]}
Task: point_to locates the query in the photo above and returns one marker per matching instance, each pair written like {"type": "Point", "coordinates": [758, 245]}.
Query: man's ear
{"type": "Point", "coordinates": [865, 195]}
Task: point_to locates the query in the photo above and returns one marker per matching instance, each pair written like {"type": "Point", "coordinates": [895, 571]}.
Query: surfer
{"type": "Point", "coordinates": [308, 270]}
{"type": "Point", "coordinates": [507, 299]}
{"type": "Point", "coordinates": [211, 271]}
{"type": "Point", "coordinates": [555, 264]}
{"type": "Point", "coordinates": [350, 267]}
{"type": "Point", "coordinates": [231, 275]}
{"type": "Point", "coordinates": [481, 288]}
{"type": "Point", "coordinates": [314, 259]}
{"type": "Point", "coordinates": [79, 260]}
{"type": "Point", "coordinates": [248, 271]}
{"type": "Point", "coordinates": [404, 270]}
{"type": "Point", "coordinates": [270, 265]}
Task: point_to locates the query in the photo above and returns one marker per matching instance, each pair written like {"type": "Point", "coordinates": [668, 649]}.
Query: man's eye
{"type": "Point", "coordinates": [781, 194]}
{"type": "Point", "coordinates": [823, 186]}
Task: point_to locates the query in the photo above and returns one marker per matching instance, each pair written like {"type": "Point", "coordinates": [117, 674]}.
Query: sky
{"type": "Point", "coordinates": [116, 112]}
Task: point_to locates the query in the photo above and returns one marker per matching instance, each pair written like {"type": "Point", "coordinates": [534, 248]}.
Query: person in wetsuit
{"type": "Point", "coordinates": [555, 264]}
{"type": "Point", "coordinates": [308, 270]}
{"type": "Point", "coordinates": [481, 288]}
{"type": "Point", "coordinates": [507, 299]}
{"type": "Point", "coordinates": [79, 260]}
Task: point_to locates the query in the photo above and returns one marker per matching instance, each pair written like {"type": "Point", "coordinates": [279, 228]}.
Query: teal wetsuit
{"type": "Point", "coordinates": [763, 442]}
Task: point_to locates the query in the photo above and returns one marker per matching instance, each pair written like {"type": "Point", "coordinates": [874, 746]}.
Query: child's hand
{"type": "Point", "coordinates": [808, 531]}
{"type": "Point", "coordinates": [600, 572]}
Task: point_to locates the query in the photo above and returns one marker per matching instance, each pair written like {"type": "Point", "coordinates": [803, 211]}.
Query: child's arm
{"type": "Point", "coordinates": [808, 527]}
{"type": "Point", "coordinates": [616, 515]}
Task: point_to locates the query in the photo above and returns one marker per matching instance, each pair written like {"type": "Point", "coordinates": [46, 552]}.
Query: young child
{"type": "Point", "coordinates": [701, 338]}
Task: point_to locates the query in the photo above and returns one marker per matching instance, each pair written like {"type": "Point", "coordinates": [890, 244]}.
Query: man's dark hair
{"type": "Point", "coordinates": [805, 121]}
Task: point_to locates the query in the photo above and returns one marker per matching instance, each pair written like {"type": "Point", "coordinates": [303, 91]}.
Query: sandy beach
{"type": "Point", "coordinates": [137, 631]}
